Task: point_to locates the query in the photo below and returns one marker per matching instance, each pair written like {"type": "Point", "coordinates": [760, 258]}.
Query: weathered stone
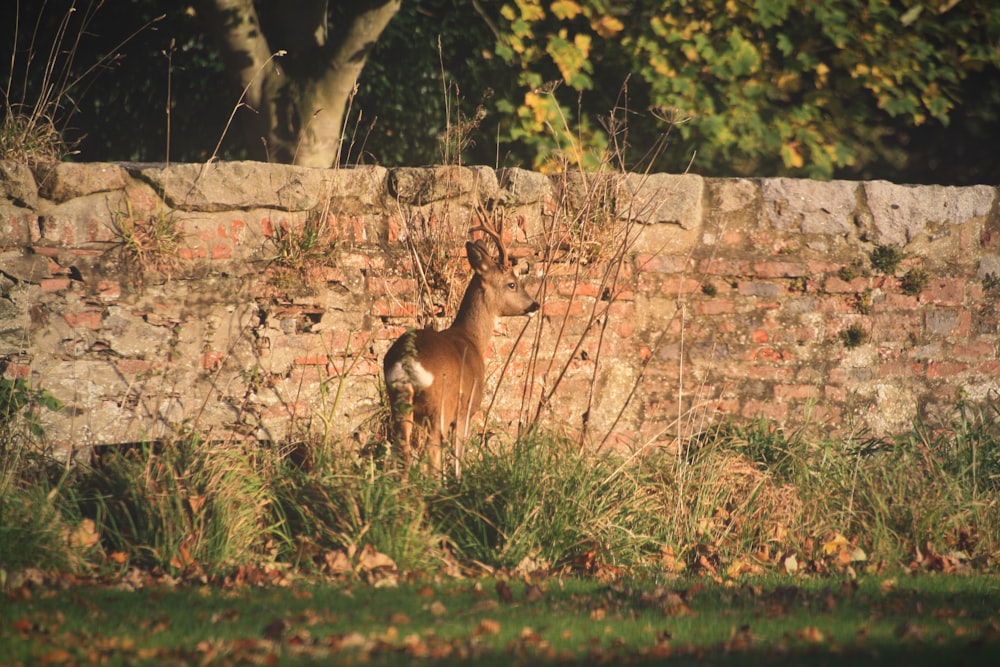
{"type": "Point", "coordinates": [356, 190]}
{"type": "Point", "coordinates": [222, 186]}
{"type": "Point", "coordinates": [661, 199]}
{"type": "Point", "coordinates": [732, 194]}
{"type": "Point", "coordinates": [25, 265]}
{"type": "Point", "coordinates": [523, 186]}
{"type": "Point", "coordinates": [425, 185]}
{"type": "Point", "coordinates": [811, 207]}
{"type": "Point", "coordinates": [17, 184]}
{"type": "Point", "coordinates": [901, 212]}
{"type": "Point", "coordinates": [63, 181]}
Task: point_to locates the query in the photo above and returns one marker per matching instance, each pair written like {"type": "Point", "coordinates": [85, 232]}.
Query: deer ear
{"type": "Point", "coordinates": [479, 257]}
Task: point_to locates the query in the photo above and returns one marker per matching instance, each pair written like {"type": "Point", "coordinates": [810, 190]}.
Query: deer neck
{"type": "Point", "coordinates": [475, 319]}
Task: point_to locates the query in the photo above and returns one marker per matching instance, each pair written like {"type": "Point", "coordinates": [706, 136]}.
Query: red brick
{"type": "Point", "coordinates": [287, 410]}
{"type": "Point", "coordinates": [222, 251]}
{"type": "Point", "coordinates": [312, 360]}
{"type": "Point", "coordinates": [837, 375]}
{"type": "Point", "coordinates": [732, 237]}
{"type": "Point", "coordinates": [87, 319]}
{"type": "Point", "coordinates": [768, 409]}
{"type": "Point", "coordinates": [660, 263]}
{"type": "Point", "coordinates": [989, 368]}
{"type": "Point", "coordinates": [679, 285]}
{"type": "Point", "coordinates": [577, 288]}
{"type": "Point", "coordinates": [132, 366]}
{"type": "Point", "coordinates": [398, 287]}
{"type": "Point", "coordinates": [714, 307]}
{"type": "Point", "coordinates": [819, 267]}
{"type": "Point", "coordinates": [393, 308]}
{"type": "Point", "coordinates": [54, 284]}
{"type": "Point", "coordinates": [192, 253]}
{"type": "Point", "coordinates": [759, 336]}
{"type": "Point", "coordinates": [974, 351]}
{"type": "Point", "coordinates": [724, 267]}
{"type": "Point", "coordinates": [944, 291]}
{"type": "Point", "coordinates": [836, 285]}
{"type": "Point", "coordinates": [832, 393]}
{"type": "Point", "coordinates": [945, 369]}
{"type": "Point", "coordinates": [562, 307]}
{"type": "Point", "coordinates": [795, 391]}
{"type": "Point", "coordinates": [45, 251]}
{"type": "Point", "coordinates": [16, 371]}
{"type": "Point", "coordinates": [109, 290]}
{"type": "Point", "coordinates": [900, 369]}
{"type": "Point", "coordinates": [780, 269]}
{"type": "Point", "coordinates": [212, 360]}
{"type": "Point", "coordinates": [771, 354]}
{"type": "Point", "coordinates": [766, 372]}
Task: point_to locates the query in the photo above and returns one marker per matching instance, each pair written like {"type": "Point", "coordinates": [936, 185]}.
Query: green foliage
{"type": "Point", "coordinates": [821, 86]}
{"type": "Point", "coordinates": [913, 281]}
{"type": "Point", "coordinates": [19, 403]}
{"type": "Point", "coordinates": [184, 505]}
{"type": "Point", "coordinates": [540, 498]}
{"type": "Point", "coordinates": [200, 509]}
{"type": "Point", "coordinates": [886, 259]}
{"type": "Point", "coordinates": [854, 336]}
{"type": "Point", "coordinates": [769, 88]}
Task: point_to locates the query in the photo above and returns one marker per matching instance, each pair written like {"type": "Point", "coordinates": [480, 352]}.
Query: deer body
{"type": "Point", "coordinates": [434, 379]}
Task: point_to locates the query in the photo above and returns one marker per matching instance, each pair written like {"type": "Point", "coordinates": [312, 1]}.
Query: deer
{"type": "Point", "coordinates": [434, 379]}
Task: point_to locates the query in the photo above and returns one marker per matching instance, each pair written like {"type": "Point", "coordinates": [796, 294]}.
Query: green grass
{"type": "Point", "coordinates": [774, 620]}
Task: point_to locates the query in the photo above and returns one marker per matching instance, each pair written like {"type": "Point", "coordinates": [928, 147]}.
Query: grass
{"type": "Point", "coordinates": [744, 497]}
{"type": "Point", "coordinates": [770, 620]}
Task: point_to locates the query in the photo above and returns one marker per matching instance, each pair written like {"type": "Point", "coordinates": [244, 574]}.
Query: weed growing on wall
{"type": "Point", "coordinates": [886, 259]}
{"type": "Point", "coordinates": [147, 243]}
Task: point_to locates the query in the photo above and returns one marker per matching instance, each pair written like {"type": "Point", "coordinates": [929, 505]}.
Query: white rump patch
{"type": "Point", "coordinates": [420, 376]}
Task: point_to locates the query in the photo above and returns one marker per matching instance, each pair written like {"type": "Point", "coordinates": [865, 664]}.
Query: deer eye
{"type": "Point", "coordinates": [512, 286]}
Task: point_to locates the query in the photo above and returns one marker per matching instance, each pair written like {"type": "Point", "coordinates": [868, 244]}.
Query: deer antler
{"type": "Point", "coordinates": [495, 232]}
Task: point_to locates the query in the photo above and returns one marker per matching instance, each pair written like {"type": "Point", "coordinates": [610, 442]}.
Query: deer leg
{"type": "Point", "coordinates": [402, 417]}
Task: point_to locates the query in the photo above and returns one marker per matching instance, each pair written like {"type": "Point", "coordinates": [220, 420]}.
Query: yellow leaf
{"type": "Point", "coordinates": [85, 535]}
{"type": "Point", "coordinates": [834, 545]}
{"type": "Point", "coordinates": [607, 26]}
{"type": "Point", "coordinates": [564, 9]}
{"type": "Point", "coordinates": [792, 157]}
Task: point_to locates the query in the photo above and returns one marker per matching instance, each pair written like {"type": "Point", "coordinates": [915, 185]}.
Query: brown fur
{"type": "Point", "coordinates": [455, 357]}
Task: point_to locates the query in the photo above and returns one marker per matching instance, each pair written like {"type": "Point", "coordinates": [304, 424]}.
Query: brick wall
{"type": "Point", "coordinates": [668, 301]}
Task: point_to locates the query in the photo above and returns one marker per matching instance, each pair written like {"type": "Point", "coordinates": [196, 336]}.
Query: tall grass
{"type": "Point", "coordinates": [745, 492]}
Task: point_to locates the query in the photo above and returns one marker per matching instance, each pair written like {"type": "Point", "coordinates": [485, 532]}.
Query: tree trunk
{"type": "Point", "coordinates": [297, 81]}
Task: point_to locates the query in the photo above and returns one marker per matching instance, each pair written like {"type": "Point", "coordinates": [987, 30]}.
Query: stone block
{"type": "Point", "coordinates": [661, 199]}
{"type": "Point", "coordinates": [810, 207]}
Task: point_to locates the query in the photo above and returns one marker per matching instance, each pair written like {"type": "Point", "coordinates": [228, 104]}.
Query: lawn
{"type": "Point", "coordinates": [835, 620]}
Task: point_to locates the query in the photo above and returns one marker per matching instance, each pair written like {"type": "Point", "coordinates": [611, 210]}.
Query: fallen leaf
{"type": "Point", "coordinates": [370, 560]}
{"type": "Point", "coordinates": [486, 626]}
{"type": "Point", "coordinates": [791, 564]}
{"type": "Point", "coordinates": [811, 634]}
{"type": "Point", "coordinates": [835, 545]}
{"type": "Point", "coordinates": [337, 562]}
{"type": "Point", "coordinates": [84, 535]}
